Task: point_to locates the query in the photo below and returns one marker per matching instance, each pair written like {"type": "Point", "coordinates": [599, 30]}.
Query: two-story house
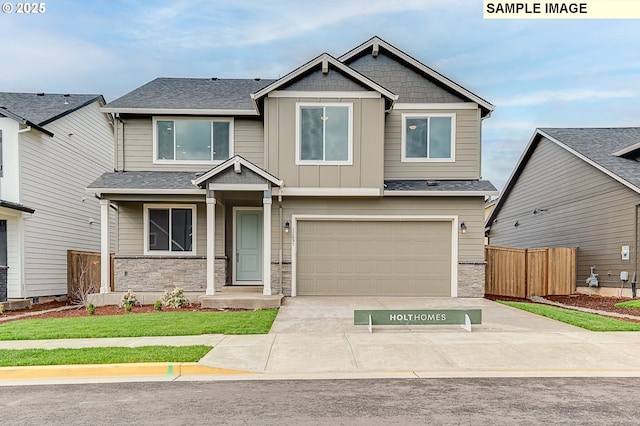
{"type": "Point", "coordinates": [357, 175]}
{"type": "Point", "coordinates": [51, 146]}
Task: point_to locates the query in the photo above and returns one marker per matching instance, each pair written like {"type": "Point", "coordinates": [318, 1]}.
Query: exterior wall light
{"type": "Point", "coordinates": [463, 228]}
{"type": "Point", "coordinates": [287, 227]}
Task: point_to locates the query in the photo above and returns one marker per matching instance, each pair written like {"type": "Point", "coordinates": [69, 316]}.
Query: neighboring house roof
{"type": "Point", "coordinates": [605, 149]}
{"type": "Point", "coordinates": [16, 206]}
{"type": "Point", "coordinates": [190, 95]}
{"type": "Point", "coordinates": [439, 187]}
{"type": "Point", "coordinates": [324, 62]}
{"type": "Point", "coordinates": [43, 108]}
{"type": "Point", "coordinates": [374, 45]}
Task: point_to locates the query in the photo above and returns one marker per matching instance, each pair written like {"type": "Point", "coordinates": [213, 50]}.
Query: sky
{"type": "Point", "coordinates": [537, 73]}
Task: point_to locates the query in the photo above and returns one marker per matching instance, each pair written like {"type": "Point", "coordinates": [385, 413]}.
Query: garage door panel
{"type": "Point", "coordinates": [374, 258]}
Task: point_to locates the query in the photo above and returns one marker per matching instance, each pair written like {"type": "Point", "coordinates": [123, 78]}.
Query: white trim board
{"type": "Point", "coordinates": [326, 192]}
{"type": "Point", "coordinates": [373, 218]}
{"type": "Point", "coordinates": [324, 95]}
{"type": "Point", "coordinates": [174, 111]}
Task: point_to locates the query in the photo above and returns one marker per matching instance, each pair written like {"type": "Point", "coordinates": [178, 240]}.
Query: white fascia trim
{"type": "Point", "coordinates": [302, 94]}
{"type": "Point", "coordinates": [172, 111]}
{"type": "Point", "coordinates": [167, 191]}
{"type": "Point", "coordinates": [406, 193]}
{"type": "Point", "coordinates": [444, 106]}
{"type": "Point", "coordinates": [327, 192]}
{"type": "Point", "coordinates": [238, 186]}
{"type": "Point", "coordinates": [371, 218]}
{"type": "Point", "coordinates": [591, 162]}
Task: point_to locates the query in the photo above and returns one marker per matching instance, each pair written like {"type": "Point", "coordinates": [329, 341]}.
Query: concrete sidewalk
{"type": "Point", "coordinates": [316, 338]}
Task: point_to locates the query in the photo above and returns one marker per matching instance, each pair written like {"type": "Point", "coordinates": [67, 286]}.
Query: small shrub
{"type": "Point", "coordinates": [129, 298]}
{"type": "Point", "coordinates": [128, 307]}
{"type": "Point", "coordinates": [158, 305]}
{"type": "Point", "coordinates": [91, 309]}
{"type": "Point", "coordinates": [1, 308]}
{"type": "Point", "coordinates": [175, 299]}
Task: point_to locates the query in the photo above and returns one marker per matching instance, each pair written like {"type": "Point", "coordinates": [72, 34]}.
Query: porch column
{"type": "Point", "coordinates": [211, 244]}
{"type": "Point", "coordinates": [266, 243]}
{"type": "Point", "coordinates": [105, 257]}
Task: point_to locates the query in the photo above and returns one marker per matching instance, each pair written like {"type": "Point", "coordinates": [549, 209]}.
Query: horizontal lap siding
{"type": "Point", "coordinates": [138, 145]}
{"type": "Point", "coordinates": [585, 209]}
{"type": "Point", "coordinates": [131, 229]}
{"type": "Point", "coordinates": [467, 151]}
{"type": "Point", "coordinates": [54, 173]}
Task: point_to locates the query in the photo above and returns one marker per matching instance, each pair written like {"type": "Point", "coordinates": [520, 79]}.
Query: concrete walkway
{"type": "Point", "coordinates": [315, 338]}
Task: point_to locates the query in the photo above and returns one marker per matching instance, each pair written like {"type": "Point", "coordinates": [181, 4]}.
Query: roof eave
{"type": "Point", "coordinates": [175, 111]}
{"type": "Point", "coordinates": [420, 193]}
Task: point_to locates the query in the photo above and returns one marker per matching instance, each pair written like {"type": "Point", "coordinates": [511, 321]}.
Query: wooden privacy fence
{"type": "Point", "coordinates": [83, 273]}
{"type": "Point", "coordinates": [530, 272]}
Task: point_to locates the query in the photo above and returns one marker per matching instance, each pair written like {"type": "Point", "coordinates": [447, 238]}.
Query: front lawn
{"type": "Point", "coordinates": [580, 319]}
{"type": "Point", "coordinates": [629, 304]}
{"type": "Point", "coordinates": [139, 325]}
{"type": "Point", "coordinates": [108, 355]}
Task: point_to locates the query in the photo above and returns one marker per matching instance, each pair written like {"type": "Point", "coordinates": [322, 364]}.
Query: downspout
{"type": "Point", "coordinates": [635, 273]}
{"type": "Point", "coordinates": [281, 241]}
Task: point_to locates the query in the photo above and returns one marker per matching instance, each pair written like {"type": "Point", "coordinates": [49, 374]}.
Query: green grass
{"type": "Point", "coordinates": [629, 304]}
{"type": "Point", "coordinates": [580, 319]}
{"type": "Point", "coordinates": [138, 325]}
{"type": "Point", "coordinates": [108, 355]}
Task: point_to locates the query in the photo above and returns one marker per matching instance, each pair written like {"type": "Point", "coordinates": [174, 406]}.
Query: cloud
{"type": "Point", "coordinates": [565, 95]}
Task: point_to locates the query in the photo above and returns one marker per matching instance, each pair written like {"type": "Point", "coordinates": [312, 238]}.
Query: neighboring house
{"type": "Point", "coordinates": [489, 204]}
{"type": "Point", "coordinates": [347, 176]}
{"type": "Point", "coordinates": [51, 147]}
{"type": "Point", "coordinates": [576, 188]}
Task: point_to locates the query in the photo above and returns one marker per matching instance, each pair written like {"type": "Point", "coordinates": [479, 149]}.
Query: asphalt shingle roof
{"type": "Point", "coordinates": [43, 108]}
{"type": "Point", "coordinates": [145, 180]}
{"type": "Point", "coordinates": [439, 185]}
{"type": "Point", "coordinates": [599, 145]}
{"type": "Point", "coordinates": [192, 93]}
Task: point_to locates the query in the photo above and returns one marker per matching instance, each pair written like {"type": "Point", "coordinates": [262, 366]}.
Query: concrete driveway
{"type": "Point", "coordinates": [306, 314]}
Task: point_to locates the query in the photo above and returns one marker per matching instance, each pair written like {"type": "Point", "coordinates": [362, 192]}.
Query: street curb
{"type": "Point", "coordinates": [157, 369]}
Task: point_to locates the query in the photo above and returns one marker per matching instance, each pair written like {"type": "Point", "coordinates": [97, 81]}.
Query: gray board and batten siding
{"type": "Point", "coordinates": [576, 206]}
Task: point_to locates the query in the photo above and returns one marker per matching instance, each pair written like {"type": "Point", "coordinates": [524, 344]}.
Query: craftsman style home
{"type": "Point", "coordinates": [51, 147]}
{"type": "Point", "coordinates": [356, 175]}
{"type": "Point", "coordinates": [577, 187]}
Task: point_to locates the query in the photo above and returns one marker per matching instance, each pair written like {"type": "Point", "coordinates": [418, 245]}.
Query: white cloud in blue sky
{"type": "Point", "coordinates": [538, 73]}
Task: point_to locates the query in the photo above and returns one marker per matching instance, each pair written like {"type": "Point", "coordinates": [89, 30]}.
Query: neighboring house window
{"type": "Point", "coordinates": [193, 140]}
{"type": "Point", "coordinates": [324, 133]}
{"type": "Point", "coordinates": [170, 229]}
{"type": "Point", "coordinates": [428, 137]}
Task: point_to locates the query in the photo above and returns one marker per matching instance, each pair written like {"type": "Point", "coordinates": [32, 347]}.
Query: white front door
{"type": "Point", "coordinates": [247, 242]}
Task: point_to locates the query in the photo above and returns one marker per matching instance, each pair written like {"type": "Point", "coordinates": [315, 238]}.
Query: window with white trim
{"type": "Point", "coordinates": [428, 137]}
{"type": "Point", "coordinates": [193, 140]}
{"type": "Point", "coordinates": [324, 133]}
{"type": "Point", "coordinates": [170, 229]}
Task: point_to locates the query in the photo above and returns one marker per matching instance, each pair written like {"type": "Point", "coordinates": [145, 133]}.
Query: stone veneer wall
{"type": "Point", "coordinates": [286, 279]}
{"type": "Point", "coordinates": [159, 273]}
{"type": "Point", "coordinates": [471, 277]}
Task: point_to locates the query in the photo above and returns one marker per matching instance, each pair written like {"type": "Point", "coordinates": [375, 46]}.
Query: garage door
{"type": "Point", "coordinates": [373, 258]}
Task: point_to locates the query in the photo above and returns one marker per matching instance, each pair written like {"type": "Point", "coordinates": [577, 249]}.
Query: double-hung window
{"type": "Point", "coordinates": [170, 229]}
{"type": "Point", "coordinates": [193, 140]}
{"type": "Point", "coordinates": [324, 133]}
{"type": "Point", "coordinates": [428, 137]}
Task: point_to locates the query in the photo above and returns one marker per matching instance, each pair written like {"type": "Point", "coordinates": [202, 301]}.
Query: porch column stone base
{"type": "Point", "coordinates": [471, 276]}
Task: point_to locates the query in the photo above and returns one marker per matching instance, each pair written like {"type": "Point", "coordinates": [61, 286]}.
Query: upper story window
{"type": "Point", "coordinates": [428, 137]}
{"type": "Point", "coordinates": [324, 133]}
{"type": "Point", "coordinates": [193, 140]}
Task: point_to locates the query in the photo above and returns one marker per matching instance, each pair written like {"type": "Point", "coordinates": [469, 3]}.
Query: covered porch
{"type": "Point", "coordinates": [208, 233]}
